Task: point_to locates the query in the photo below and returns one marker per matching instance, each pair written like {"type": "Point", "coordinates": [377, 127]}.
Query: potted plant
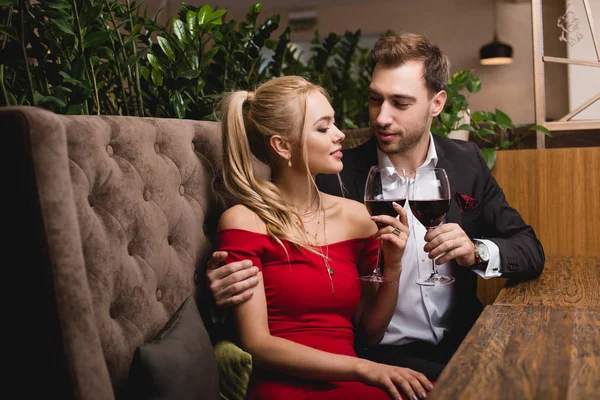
{"type": "Point", "coordinates": [494, 130]}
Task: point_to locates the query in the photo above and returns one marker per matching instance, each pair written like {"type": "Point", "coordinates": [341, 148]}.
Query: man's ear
{"type": "Point", "coordinates": [280, 146]}
{"type": "Point", "coordinates": [438, 102]}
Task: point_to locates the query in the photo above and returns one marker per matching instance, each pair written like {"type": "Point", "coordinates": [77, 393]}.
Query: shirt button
{"type": "Point", "coordinates": [422, 259]}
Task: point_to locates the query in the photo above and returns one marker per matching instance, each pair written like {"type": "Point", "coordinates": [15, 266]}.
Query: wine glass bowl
{"type": "Point", "coordinates": [429, 201]}
{"type": "Point", "coordinates": [384, 186]}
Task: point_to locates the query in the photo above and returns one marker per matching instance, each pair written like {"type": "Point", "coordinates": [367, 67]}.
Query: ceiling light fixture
{"type": "Point", "coordinates": [496, 52]}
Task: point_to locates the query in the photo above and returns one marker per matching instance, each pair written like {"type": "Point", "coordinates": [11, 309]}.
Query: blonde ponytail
{"type": "Point", "coordinates": [277, 107]}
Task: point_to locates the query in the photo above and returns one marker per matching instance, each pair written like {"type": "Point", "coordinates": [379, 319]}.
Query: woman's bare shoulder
{"type": "Point", "coordinates": [241, 217]}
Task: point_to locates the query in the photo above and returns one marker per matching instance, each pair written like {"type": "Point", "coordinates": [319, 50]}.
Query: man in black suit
{"type": "Point", "coordinates": [482, 235]}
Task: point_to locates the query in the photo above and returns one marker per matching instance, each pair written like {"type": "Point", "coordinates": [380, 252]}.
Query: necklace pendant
{"type": "Point", "coordinates": [330, 270]}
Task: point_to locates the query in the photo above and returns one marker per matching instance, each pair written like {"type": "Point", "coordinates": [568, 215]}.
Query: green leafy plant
{"type": "Point", "coordinates": [342, 67]}
{"type": "Point", "coordinates": [495, 129]}
{"type": "Point", "coordinates": [498, 131]}
{"type": "Point", "coordinates": [110, 57]}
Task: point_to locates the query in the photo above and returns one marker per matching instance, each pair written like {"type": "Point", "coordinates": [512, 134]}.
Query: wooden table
{"type": "Point", "coordinates": [539, 340]}
{"type": "Point", "coordinates": [565, 281]}
{"type": "Point", "coordinates": [526, 352]}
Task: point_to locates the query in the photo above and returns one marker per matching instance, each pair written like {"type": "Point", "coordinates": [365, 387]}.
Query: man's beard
{"type": "Point", "coordinates": [407, 141]}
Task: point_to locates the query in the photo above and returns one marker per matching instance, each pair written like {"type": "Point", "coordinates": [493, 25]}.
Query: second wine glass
{"type": "Point", "coordinates": [429, 201]}
{"type": "Point", "coordinates": [384, 186]}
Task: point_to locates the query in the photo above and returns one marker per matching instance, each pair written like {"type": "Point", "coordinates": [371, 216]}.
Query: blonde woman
{"type": "Point", "coordinates": [309, 248]}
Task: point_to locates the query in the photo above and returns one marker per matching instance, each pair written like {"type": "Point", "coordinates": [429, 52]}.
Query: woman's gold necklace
{"type": "Point", "coordinates": [325, 256]}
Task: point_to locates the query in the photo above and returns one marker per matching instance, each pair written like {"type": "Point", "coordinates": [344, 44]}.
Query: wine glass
{"type": "Point", "coordinates": [429, 201]}
{"type": "Point", "coordinates": [384, 185]}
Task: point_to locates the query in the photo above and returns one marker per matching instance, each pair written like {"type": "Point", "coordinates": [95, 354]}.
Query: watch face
{"type": "Point", "coordinates": [483, 252]}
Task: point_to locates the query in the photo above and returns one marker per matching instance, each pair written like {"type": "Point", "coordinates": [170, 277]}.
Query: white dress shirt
{"type": "Point", "coordinates": [422, 311]}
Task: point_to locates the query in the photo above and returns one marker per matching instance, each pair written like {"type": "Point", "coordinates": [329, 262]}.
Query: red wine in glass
{"type": "Point", "coordinates": [383, 207]}
{"type": "Point", "coordinates": [430, 213]}
{"type": "Point", "coordinates": [429, 201]}
{"type": "Point", "coordinates": [383, 187]}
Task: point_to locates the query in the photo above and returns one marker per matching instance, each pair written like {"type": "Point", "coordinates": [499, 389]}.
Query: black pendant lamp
{"type": "Point", "coordinates": [496, 52]}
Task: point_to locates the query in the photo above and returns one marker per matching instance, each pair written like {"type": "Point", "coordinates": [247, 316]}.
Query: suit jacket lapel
{"type": "Point", "coordinates": [453, 214]}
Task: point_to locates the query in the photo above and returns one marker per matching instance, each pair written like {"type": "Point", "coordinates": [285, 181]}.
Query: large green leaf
{"type": "Point", "coordinates": [486, 132]}
{"type": "Point", "coordinates": [180, 32]}
{"type": "Point", "coordinates": [489, 155]}
{"type": "Point", "coordinates": [466, 127]}
{"type": "Point", "coordinates": [178, 105]}
{"type": "Point", "coordinates": [503, 120]}
{"type": "Point", "coordinates": [163, 42]}
{"type": "Point", "coordinates": [50, 102]}
{"type": "Point", "coordinates": [191, 19]}
{"type": "Point", "coordinates": [155, 62]}
{"type": "Point", "coordinates": [479, 116]}
{"type": "Point", "coordinates": [69, 79]}
{"type": "Point", "coordinates": [204, 14]}
{"type": "Point", "coordinates": [207, 58]}
{"type": "Point", "coordinates": [193, 60]}
{"type": "Point", "coordinates": [97, 38]}
{"type": "Point", "coordinates": [91, 14]}
{"type": "Point", "coordinates": [157, 77]}
{"type": "Point", "coordinates": [217, 15]}
{"type": "Point", "coordinates": [542, 129]}
{"type": "Point", "coordinates": [62, 26]}
{"type": "Point", "coordinates": [191, 74]}
{"type": "Point", "coordinates": [473, 84]}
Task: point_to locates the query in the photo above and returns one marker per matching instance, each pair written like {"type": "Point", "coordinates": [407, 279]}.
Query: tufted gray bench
{"type": "Point", "coordinates": [118, 215]}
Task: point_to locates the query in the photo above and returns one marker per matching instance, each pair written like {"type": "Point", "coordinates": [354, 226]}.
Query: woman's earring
{"type": "Point", "coordinates": [290, 162]}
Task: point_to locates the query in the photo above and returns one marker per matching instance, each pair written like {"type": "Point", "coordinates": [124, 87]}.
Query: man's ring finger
{"type": "Point", "coordinates": [397, 231]}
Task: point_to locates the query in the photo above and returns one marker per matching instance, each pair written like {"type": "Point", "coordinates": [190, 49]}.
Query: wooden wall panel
{"type": "Point", "coordinates": [557, 191]}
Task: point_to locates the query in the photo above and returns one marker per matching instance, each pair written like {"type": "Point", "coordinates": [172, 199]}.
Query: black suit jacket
{"type": "Point", "coordinates": [521, 253]}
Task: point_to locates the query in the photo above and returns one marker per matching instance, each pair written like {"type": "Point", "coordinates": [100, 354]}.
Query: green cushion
{"type": "Point", "coordinates": [235, 367]}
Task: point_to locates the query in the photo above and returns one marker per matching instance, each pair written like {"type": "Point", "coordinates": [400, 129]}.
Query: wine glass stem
{"type": "Point", "coordinates": [434, 270]}
{"type": "Point", "coordinates": [377, 270]}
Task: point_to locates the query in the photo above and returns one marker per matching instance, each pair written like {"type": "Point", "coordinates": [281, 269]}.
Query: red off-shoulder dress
{"type": "Point", "coordinates": [301, 307]}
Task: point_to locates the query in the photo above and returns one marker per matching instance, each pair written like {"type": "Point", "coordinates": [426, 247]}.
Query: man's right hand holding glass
{"type": "Point", "coordinates": [230, 284]}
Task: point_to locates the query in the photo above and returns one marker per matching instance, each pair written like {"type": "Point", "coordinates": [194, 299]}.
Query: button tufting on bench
{"type": "Point", "coordinates": [146, 195]}
{"type": "Point", "coordinates": [91, 200]}
{"type": "Point", "coordinates": [181, 190]}
{"type": "Point", "coordinates": [110, 150]}
{"type": "Point", "coordinates": [170, 239]}
{"type": "Point", "coordinates": [158, 294]}
{"type": "Point", "coordinates": [156, 148]}
{"type": "Point", "coordinates": [112, 312]}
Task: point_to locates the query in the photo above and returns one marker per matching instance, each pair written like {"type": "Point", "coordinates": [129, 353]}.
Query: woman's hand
{"type": "Point", "coordinates": [414, 385]}
{"type": "Point", "coordinates": [394, 234]}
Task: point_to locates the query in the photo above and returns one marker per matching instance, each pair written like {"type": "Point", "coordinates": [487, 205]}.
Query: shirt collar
{"type": "Point", "coordinates": [431, 159]}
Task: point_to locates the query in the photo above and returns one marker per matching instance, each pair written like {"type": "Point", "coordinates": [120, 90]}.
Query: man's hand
{"type": "Point", "coordinates": [230, 284]}
{"type": "Point", "coordinates": [452, 240]}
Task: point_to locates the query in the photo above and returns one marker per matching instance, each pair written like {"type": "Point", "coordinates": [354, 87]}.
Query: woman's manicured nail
{"type": "Point", "coordinates": [395, 204]}
{"type": "Point", "coordinates": [374, 217]}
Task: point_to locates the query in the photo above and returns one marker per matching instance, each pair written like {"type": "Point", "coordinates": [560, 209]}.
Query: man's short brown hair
{"type": "Point", "coordinates": [395, 49]}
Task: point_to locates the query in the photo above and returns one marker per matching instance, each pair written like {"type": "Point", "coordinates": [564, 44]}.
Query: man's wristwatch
{"type": "Point", "coordinates": [482, 254]}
